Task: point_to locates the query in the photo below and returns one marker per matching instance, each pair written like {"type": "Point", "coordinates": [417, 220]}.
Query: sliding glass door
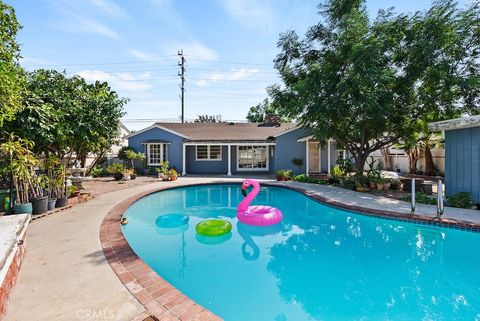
{"type": "Point", "coordinates": [252, 158]}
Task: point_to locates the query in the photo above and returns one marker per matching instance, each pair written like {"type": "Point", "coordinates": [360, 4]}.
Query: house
{"type": "Point", "coordinates": [462, 154]}
{"type": "Point", "coordinates": [232, 148]}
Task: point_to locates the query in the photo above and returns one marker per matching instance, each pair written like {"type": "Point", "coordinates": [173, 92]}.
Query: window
{"type": "Point", "coordinates": [252, 158]}
{"type": "Point", "coordinates": [340, 155]}
{"type": "Point", "coordinates": [209, 152]}
{"type": "Point", "coordinates": [156, 153]}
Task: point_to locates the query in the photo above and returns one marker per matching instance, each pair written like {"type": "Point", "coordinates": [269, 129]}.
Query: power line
{"type": "Point", "coordinates": [100, 63]}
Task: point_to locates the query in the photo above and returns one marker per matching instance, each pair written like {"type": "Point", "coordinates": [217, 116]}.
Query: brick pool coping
{"type": "Point", "coordinates": [163, 300]}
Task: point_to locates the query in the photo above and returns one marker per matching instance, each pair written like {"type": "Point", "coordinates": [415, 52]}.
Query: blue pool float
{"type": "Point", "coordinates": [171, 220]}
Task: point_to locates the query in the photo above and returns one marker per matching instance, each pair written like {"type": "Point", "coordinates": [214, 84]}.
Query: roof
{"type": "Point", "coordinates": [223, 131]}
{"type": "Point", "coordinates": [457, 123]}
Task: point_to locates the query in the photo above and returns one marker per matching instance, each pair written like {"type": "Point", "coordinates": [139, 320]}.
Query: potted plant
{"type": "Point", "coordinates": [130, 156]}
{"type": "Point", "coordinates": [21, 163]}
{"type": "Point", "coordinates": [283, 174]}
{"type": "Point", "coordinates": [172, 174]}
{"type": "Point", "coordinates": [39, 199]}
{"type": "Point", "coordinates": [60, 188]}
{"type": "Point", "coordinates": [297, 162]}
{"type": "Point", "coordinates": [72, 191]}
{"type": "Point", "coordinates": [380, 184]}
{"type": "Point", "coordinates": [127, 174]}
{"type": "Point", "coordinates": [163, 171]}
{"type": "Point", "coordinates": [116, 170]}
{"type": "Point", "coordinates": [359, 187]}
{"type": "Point", "coordinates": [387, 185]}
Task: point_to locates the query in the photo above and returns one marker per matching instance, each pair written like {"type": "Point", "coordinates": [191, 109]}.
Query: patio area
{"type": "Point", "coordinates": [65, 275]}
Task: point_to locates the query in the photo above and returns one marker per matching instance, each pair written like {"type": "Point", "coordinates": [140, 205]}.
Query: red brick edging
{"type": "Point", "coordinates": [164, 301]}
{"type": "Point", "coordinates": [159, 297]}
{"type": "Point", "coordinates": [11, 275]}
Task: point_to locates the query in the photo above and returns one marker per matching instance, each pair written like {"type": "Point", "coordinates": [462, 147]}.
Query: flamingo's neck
{"type": "Point", "coordinates": [243, 206]}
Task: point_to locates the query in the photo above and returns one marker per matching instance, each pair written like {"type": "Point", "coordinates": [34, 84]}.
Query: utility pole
{"type": "Point", "coordinates": [181, 74]}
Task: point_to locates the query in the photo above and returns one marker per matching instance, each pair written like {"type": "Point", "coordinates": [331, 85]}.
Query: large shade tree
{"type": "Point", "coordinates": [66, 116]}
{"type": "Point", "coordinates": [363, 84]}
{"type": "Point", "coordinates": [11, 74]}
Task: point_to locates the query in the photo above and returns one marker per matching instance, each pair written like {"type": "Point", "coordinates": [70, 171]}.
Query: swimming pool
{"type": "Point", "coordinates": [320, 263]}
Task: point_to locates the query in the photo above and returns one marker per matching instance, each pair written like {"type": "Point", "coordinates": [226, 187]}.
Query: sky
{"type": "Point", "coordinates": [229, 46]}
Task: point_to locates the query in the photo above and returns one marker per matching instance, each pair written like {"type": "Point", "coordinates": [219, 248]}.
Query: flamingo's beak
{"type": "Point", "coordinates": [244, 190]}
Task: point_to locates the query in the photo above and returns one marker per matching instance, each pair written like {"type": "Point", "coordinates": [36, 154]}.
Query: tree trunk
{"type": "Point", "coordinates": [430, 168]}
{"type": "Point", "coordinates": [414, 155]}
{"type": "Point", "coordinates": [387, 164]}
{"type": "Point", "coordinates": [360, 163]}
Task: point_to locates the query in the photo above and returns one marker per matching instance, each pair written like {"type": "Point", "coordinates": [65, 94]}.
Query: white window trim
{"type": "Point", "coordinates": [266, 169]}
{"type": "Point", "coordinates": [208, 159]}
{"type": "Point", "coordinates": [162, 147]}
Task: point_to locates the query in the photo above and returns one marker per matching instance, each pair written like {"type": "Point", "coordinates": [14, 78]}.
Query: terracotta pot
{"type": "Point", "coordinates": [387, 186]}
{"type": "Point", "coordinates": [372, 185]}
{"type": "Point", "coordinates": [173, 178]}
{"type": "Point", "coordinates": [380, 186]}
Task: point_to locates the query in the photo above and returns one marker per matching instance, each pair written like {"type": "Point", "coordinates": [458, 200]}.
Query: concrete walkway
{"type": "Point", "coordinates": [366, 200]}
{"type": "Point", "coordinates": [65, 275]}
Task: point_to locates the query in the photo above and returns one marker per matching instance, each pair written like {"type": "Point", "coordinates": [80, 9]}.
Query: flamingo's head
{"type": "Point", "coordinates": [245, 185]}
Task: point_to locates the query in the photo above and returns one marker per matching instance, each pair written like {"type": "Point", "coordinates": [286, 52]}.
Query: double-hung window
{"type": "Point", "coordinates": [156, 153]}
{"type": "Point", "coordinates": [208, 152]}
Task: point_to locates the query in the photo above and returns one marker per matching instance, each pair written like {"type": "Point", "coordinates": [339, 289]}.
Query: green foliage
{"type": "Point", "coordinates": [21, 162]}
{"type": "Point", "coordinates": [12, 78]}
{"type": "Point", "coordinates": [66, 114]}
{"type": "Point", "coordinates": [307, 179]}
{"type": "Point", "coordinates": [115, 168]}
{"type": "Point", "coordinates": [208, 119]}
{"type": "Point", "coordinates": [345, 164]}
{"type": "Point", "coordinates": [163, 168]}
{"type": "Point", "coordinates": [338, 172]}
{"type": "Point", "coordinates": [98, 171]}
{"type": "Point", "coordinates": [284, 174]}
{"type": "Point", "coordinates": [297, 162]}
{"type": "Point", "coordinates": [422, 198]}
{"type": "Point", "coordinates": [122, 153]}
{"type": "Point", "coordinates": [71, 190]}
{"type": "Point", "coordinates": [365, 83]}
{"type": "Point", "coordinates": [256, 114]}
{"type": "Point", "coordinates": [461, 200]}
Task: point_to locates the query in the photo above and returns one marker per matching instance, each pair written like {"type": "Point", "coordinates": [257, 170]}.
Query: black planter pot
{"type": "Point", "coordinates": [40, 205]}
{"type": "Point", "coordinates": [118, 176]}
{"type": "Point", "coordinates": [61, 202]}
{"type": "Point", "coordinates": [133, 176]}
{"type": "Point", "coordinates": [51, 204]}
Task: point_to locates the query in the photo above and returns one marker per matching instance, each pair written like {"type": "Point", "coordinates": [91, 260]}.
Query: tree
{"type": "Point", "coordinates": [256, 114]}
{"type": "Point", "coordinates": [67, 116]}
{"type": "Point", "coordinates": [11, 74]}
{"type": "Point", "coordinates": [360, 82]}
{"type": "Point", "coordinates": [208, 119]}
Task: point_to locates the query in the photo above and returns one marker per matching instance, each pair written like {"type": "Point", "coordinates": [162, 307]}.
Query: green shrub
{"type": "Point", "coordinates": [338, 172]}
{"type": "Point", "coordinates": [115, 168]}
{"type": "Point", "coordinates": [461, 200]}
{"type": "Point", "coordinates": [306, 179]}
{"type": "Point", "coordinates": [284, 174]}
{"type": "Point", "coordinates": [421, 198]}
{"type": "Point", "coordinates": [98, 171]}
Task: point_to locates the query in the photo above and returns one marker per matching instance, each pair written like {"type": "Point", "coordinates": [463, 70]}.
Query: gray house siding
{"type": "Point", "coordinates": [174, 148]}
{"type": "Point", "coordinates": [287, 147]}
{"type": "Point", "coordinates": [462, 161]}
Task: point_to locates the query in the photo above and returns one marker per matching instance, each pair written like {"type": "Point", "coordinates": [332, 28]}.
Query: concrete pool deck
{"type": "Point", "coordinates": [65, 275]}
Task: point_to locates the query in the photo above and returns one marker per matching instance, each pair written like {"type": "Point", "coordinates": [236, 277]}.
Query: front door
{"type": "Point", "coordinates": [313, 157]}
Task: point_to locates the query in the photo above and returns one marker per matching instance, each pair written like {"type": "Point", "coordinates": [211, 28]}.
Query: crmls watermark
{"type": "Point", "coordinates": [91, 314]}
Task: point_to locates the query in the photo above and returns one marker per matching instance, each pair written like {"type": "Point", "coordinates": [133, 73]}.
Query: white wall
{"type": "Point", "coordinates": [399, 159]}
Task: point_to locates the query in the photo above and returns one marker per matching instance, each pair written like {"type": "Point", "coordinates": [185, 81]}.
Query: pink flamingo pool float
{"type": "Point", "coordinates": [259, 215]}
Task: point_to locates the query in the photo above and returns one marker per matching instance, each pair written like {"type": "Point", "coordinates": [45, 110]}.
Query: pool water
{"type": "Point", "coordinates": [320, 263]}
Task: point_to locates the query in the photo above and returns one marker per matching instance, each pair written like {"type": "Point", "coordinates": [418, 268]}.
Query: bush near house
{"type": "Point", "coordinates": [461, 200]}
{"type": "Point", "coordinates": [421, 198]}
{"type": "Point", "coordinates": [306, 179]}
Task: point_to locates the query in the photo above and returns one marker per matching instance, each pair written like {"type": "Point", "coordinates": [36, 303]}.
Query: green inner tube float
{"type": "Point", "coordinates": [213, 227]}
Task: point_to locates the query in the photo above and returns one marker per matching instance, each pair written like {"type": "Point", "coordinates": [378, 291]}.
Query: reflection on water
{"type": "Point", "coordinates": [318, 264]}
